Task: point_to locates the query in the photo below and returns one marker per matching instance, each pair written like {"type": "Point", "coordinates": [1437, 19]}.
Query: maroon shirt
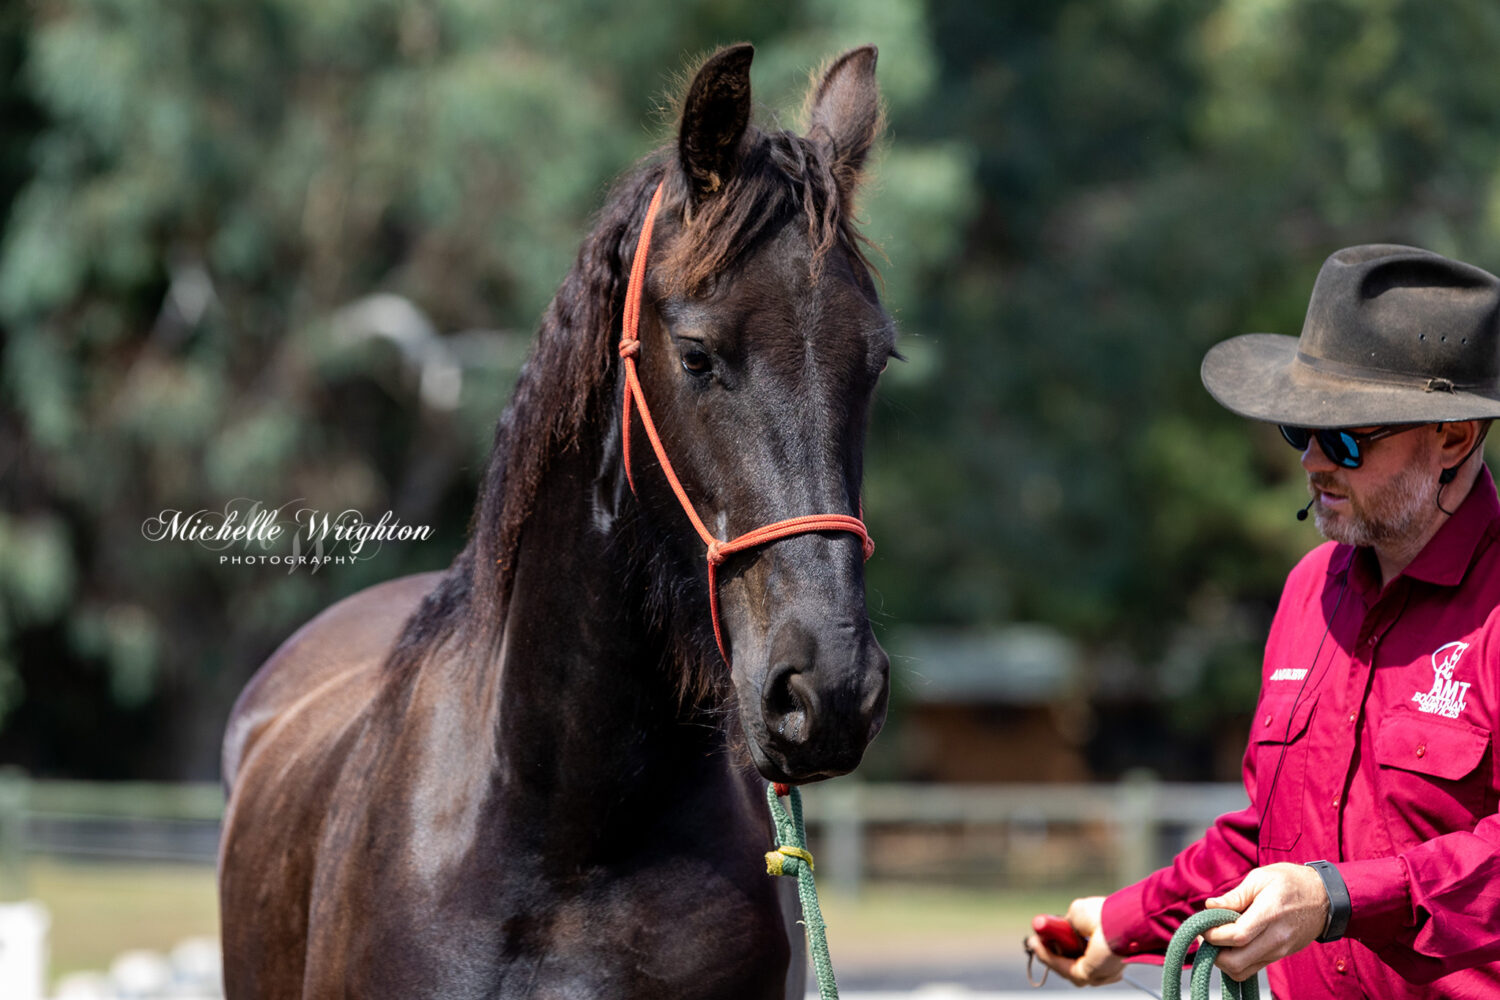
{"type": "Point", "coordinates": [1371, 746]}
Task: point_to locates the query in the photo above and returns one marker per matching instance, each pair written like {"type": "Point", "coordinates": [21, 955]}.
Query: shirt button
{"type": "Point", "coordinates": [1421, 749]}
{"type": "Point", "coordinates": [1353, 716]}
{"type": "Point", "coordinates": [1335, 801]}
{"type": "Point", "coordinates": [1268, 720]}
{"type": "Point", "coordinates": [1339, 966]}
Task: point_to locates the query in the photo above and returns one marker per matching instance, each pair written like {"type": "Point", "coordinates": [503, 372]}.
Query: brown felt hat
{"type": "Point", "coordinates": [1393, 335]}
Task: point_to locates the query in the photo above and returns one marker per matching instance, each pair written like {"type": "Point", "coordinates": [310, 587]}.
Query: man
{"type": "Point", "coordinates": [1368, 861]}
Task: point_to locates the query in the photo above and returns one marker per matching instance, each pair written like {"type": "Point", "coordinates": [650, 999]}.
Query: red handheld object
{"type": "Point", "coordinates": [1058, 936]}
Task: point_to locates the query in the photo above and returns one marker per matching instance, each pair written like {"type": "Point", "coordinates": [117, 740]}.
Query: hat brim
{"type": "Point", "coordinates": [1260, 376]}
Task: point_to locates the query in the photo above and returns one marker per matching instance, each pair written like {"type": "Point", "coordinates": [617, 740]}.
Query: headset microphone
{"type": "Point", "coordinates": [1302, 514]}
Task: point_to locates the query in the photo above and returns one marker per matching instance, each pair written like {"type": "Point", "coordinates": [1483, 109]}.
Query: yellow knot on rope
{"type": "Point", "coordinates": [776, 860]}
{"type": "Point", "coordinates": [792, 858]}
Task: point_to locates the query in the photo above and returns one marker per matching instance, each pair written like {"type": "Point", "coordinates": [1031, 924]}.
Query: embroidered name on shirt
{"type": "Point", "coordinates": [1289, 674]}
{"type": "Point", "coordinates": [1447, 695]}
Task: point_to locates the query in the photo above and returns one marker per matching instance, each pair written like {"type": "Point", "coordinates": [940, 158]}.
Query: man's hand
{"type": "Point", "coordinates": [1283, 908]}
{"type": "Point", "coordinates": [1098, 965]}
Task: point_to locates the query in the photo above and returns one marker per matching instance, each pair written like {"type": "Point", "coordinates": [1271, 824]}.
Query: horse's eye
{"type": "Point", "coordinates": [696, 362]}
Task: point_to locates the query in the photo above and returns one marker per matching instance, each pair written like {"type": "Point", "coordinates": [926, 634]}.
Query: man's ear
{"type": "Point", "coordinates": [1460, 439]}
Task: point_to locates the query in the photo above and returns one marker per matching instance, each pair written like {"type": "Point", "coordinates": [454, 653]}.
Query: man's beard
{"type": "Point", "coordinates": [1402, 507]}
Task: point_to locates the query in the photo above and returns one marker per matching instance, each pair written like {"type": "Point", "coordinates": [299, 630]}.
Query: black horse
{"type": "Point", "coordinates": [534, 774]}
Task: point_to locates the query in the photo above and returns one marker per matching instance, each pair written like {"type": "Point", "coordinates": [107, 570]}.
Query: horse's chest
{"type": "Point", "coordinates": [680, 930]}
{"type": "Point", "coordinates": [674, 931]}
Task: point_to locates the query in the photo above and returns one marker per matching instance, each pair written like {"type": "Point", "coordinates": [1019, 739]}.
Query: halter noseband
{"type": "Point", "coordinates": [718, 551]}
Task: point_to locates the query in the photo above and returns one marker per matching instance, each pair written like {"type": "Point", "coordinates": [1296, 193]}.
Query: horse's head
{"type": "Point", "coordinates": [762, 338]}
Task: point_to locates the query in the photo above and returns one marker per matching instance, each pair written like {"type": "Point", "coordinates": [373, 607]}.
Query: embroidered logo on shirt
{"type": "Point", "coordinates": [1289, 674]}
{"type": "Point", "coordinates": [1447, 695]}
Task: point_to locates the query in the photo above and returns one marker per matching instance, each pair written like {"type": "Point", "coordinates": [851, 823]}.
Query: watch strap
{"type": "Point", "coordinates": [1340, 907]}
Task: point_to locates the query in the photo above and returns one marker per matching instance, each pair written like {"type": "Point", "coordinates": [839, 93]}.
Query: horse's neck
{"type": "Point", "coordinates": [585, 714]}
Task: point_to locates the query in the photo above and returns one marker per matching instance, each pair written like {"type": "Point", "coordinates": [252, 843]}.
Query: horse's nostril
{"type": "Point", "coordinates": [785, 703]}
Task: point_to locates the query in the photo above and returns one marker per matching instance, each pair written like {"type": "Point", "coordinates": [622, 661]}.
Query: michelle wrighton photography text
{"type": "Point", "coordinates": [248, 533]}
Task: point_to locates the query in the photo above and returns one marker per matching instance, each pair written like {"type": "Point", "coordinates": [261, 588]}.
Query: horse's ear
{"type": "Point", "coordinates": [714, 118]}
{"type": "Point", "coordinates": [843, 112]}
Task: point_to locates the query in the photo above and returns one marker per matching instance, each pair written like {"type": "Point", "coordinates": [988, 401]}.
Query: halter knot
{"type": "Point", "coordinates": [630, 348]}
{"type": "Point", "coordinates": [776, 861]}
{"type": "Point", "coordinates": [716, 554]}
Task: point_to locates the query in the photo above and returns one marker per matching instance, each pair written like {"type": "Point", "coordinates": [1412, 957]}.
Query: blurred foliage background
{"type": "Point", "coordinates": [282, 250]}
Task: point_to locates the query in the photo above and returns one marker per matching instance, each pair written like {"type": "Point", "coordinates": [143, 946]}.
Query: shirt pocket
{"type": "Point", "coordinates": [1281, 768]}
{"type": "Point", "coordinates": [1430, 778]}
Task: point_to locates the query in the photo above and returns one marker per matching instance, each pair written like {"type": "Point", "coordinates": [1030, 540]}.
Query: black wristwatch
{"type": "Point", "coordinates": [1339, 904]}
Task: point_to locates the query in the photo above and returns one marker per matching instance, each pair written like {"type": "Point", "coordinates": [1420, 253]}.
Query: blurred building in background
{"type": "Point", "coordinates": [1007, 704]}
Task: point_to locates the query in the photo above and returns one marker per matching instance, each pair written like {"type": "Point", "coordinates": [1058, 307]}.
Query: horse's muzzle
{"type": "Point", "coordinates": [822, 700]}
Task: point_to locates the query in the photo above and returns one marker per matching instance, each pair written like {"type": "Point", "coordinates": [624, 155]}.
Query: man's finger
{"type": "Point", "coordinates": [1057, 963]}
{"type": "Point", "coordinates": [1049, 958]}
{"type": "Point", "coordinates": [1098, 965]}
{"type": "Point", "coordinates": [1254, 948]}
{"type": "Point", "coordinates": [1089, 970]}
{"type": "Point", "coordinates": [1235, 935]}
{"type": "Point", "coordinates": [1241, 973]}
{"type": "Point", "coordinates": [1240, 964]}
{"type": "Point", "coordinates": [1237, 899]}
{"type": "Point", "coordinates": [1231, 900]}
{"type": "Point", "coordinates": [1229, 936]}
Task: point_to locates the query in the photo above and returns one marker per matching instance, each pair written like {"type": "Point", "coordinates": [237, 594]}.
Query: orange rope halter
{"type": "Point", "coordinates": [718, 551]}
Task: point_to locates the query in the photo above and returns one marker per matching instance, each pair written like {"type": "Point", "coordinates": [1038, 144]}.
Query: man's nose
{"type": "Point", "coordinates": [1313, 458]}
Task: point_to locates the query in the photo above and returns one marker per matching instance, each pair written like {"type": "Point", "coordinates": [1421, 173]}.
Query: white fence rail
{"type": "Point", "coordinates": [140, 821]}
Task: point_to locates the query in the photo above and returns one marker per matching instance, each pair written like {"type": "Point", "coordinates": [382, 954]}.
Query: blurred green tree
{"type": "Point", "coordinates": [293, 252]}
{"type": "Point", "coordinates": [1155, 176]}
{"type": "Point", "coordinates": [287, 251]}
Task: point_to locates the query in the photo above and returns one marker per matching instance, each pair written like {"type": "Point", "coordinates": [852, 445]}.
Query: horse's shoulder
{"type": "Point", "coordinates": [328, 668]}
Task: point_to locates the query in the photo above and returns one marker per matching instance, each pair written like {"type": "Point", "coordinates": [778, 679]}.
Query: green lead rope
{"type": "Point", "coordinates": [792, 858]}
{"type": "Point", "coordinates": [1203, 963]}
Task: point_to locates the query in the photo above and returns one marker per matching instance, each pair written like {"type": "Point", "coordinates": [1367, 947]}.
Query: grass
{"type": "Point", "coordinates": [101, 909]}
{"type": "Point", "coordinates": [894, 925]}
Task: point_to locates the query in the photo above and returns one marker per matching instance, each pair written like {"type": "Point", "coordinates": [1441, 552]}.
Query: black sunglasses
{"type": "Point", "coordinates": [1345, 448]}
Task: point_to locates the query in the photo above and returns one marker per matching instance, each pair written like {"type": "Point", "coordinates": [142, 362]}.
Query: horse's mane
{"type": "Point", "coordinates": [566, 388]}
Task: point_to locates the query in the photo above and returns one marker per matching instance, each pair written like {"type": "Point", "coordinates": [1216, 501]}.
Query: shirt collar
{"type": "Point", "coordinates": [1447, 556]}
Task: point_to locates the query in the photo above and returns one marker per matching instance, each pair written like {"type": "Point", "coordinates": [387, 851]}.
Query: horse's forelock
{"type": "Point", "coordinates": [779, 173]}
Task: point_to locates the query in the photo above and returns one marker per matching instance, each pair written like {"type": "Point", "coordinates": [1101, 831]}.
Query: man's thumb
{"type": "Point", "coordinates": [1235, 899]}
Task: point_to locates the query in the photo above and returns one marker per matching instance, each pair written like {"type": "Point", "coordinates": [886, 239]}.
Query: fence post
{"type": "Point", "coordinates": [13, 797]}
{"type": "Point", "coordinates": [844, 833]}
{"type": "Point", "coordinates": [1137, 825]}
